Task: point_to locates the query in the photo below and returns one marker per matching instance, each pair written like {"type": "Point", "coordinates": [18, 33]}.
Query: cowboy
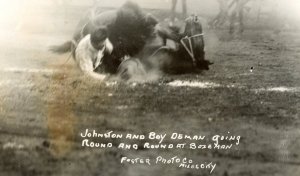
{"type": "Point", "coordinates": [90, 51]}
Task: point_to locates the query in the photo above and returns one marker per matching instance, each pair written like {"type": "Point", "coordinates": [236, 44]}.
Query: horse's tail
{"type": "Point", "coordinates": [63, 48]}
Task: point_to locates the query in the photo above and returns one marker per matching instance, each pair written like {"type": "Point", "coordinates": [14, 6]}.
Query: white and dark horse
{"type": "Point", "coordinates": [187, 57]}
{"type": "Point", "coordinates": [139, 43]}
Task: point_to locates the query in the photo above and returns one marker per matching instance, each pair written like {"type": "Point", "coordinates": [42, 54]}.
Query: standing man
{"type": "Point", "coordinates": [173, 9]}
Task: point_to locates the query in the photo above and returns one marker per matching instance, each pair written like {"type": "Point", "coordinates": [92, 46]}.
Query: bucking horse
{"type": "Point", "coordinates": [139, 43]}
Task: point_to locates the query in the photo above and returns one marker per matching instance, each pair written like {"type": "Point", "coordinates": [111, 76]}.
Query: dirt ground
{"type": "Point", "coordinates": [45, 104]}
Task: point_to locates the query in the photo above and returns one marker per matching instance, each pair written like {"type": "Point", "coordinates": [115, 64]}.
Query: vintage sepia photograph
{"type": "Point", "coordinates": [149, 88]}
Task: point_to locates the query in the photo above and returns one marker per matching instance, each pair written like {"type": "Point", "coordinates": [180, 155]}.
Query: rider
{"type": "Point", "coordinates": [90, 51]}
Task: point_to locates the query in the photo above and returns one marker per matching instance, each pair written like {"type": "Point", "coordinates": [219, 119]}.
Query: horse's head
{"type": "Point", "coordinates": [192, 26]}
{"type": "Point", "coordinates": [193, 42]}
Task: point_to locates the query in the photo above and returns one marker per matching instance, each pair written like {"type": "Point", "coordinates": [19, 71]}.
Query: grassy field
{"type": "Point", "coordinates": [45, 104]}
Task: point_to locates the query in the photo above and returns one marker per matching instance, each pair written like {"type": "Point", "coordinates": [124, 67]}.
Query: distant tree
{"type": "Point", "coordinates": [232, 11]}
{"type": "Point", "coordinates": [222, 16]}
{"type": "Point", "coordinates": [237, 15]}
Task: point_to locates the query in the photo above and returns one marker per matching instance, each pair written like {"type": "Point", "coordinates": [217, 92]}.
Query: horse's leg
{"type": "Point", "coordinates": [184, 9]}
{"type": "Point", "coordinates": [225, 11]}
{"type": "Point", "coordinates": [213, 23]}
{"type": "Point", "coordinates": [241, 19]}
{"type": "Point", "coordinates": [234, 15]}
{"type": "Point", "coordinates": [173, 10]}
{"type": "Point", "coordinates": [241, 9]}
{"type": "Point", "coordinates": [218, 20]}
{"type": "Point", "coordinates": [165, 34]}
{"type": "Point", "coordinates": [221, 17]}
{"type": "Point", "coordinates": [232, 21]}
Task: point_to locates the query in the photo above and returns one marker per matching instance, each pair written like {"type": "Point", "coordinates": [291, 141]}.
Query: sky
{"type": "Point", "coordinates": [288, 9]}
